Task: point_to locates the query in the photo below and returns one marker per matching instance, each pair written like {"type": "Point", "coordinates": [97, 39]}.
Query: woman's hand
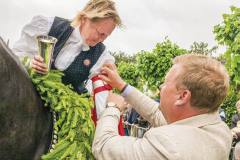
{"type": "Point", "coordinates": [38, 65]}
{"type": "Point", "coordinates": [110, 75]}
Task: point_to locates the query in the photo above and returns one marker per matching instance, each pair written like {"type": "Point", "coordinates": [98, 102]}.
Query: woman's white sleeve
{"type": "Point", "coordinates": [106, 57]}
{"type": "Point", "coordinates": [27, 44]}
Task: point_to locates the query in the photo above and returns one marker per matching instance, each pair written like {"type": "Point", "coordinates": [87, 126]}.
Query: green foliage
{"type": "Point", "coordinates": [74, 125]}
{"type": "Point", "coordinates": [202, 48]}
{"type": "Point", "coordinates": [123, 57]}
{"type": "Point", "coordinates": [130, 74]}
{"type": "Point", "coordinates": [153, 66]}
{"type": "Point", "coordinates": [229, 105]}
{"type": "Point", "coordinates": [148, 68]}
{"type": "Point", "coordinates": [228, 33]}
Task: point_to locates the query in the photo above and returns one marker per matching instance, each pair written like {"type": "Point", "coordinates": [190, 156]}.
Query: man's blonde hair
{"type": "Point", "coordinates": [96, 10]}
{"type": "Point", "coordinates": [206, 79]}
{"type": "Point", "coordinates": [238, 103]}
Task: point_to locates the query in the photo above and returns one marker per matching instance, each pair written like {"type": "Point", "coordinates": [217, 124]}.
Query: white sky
{"type": "Point", "coordinates": [146, 21]}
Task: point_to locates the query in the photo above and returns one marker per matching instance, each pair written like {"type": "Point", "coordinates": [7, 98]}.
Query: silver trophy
{"type": "Point", "coordinates": [45, 48]}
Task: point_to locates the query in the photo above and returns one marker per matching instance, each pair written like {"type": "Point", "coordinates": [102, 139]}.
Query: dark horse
{"type": "Point", "coordinates": [25, 125]}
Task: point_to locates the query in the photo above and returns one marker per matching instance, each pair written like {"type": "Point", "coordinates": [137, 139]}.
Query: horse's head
{"type": "Point", "coordinates": [25, 125]}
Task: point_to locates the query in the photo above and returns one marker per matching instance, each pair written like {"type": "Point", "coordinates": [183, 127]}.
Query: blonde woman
{"type": "Point", "coordinates": [79, 50]}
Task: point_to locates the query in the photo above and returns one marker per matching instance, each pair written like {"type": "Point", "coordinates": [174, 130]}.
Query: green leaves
{"type": "Point", "coordinates": [228, 33]}
{"type": "Point", "coordinates": [229, 105]}
{"type": "Point", "coordinates": [129, 72]}
{"type": "Point", "coordinates": [202, 48]}
{"type": "Point", "coordinates": [148, 67]}
{"type": "Point", "coordinates": [154, 65]}
{"type": "Point", "coordinates": [74, 125]}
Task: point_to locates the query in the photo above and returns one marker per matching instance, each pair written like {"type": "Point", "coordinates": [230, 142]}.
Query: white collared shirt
{"type": "Point", "coordinates": [40, 25]}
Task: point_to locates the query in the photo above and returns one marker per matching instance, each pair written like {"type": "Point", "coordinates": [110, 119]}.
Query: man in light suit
{"type": "Point", "coordinates": [185, 126]}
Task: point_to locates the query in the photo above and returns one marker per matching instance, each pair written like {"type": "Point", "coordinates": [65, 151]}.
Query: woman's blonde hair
{"type": "Point", "coordinates": [96, 10]}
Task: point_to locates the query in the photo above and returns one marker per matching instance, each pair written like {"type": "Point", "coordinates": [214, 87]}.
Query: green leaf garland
{"type": "Point", "coordinates": [74, 126]}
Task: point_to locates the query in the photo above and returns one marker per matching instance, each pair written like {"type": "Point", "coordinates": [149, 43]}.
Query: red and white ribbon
{"type": "Point", "coordinates": [101, 92]}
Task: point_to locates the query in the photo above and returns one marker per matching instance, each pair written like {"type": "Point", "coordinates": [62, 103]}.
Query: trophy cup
{"type": "Point", "coordinates": [45, 48]}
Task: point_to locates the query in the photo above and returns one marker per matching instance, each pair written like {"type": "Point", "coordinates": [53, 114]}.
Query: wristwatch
{"type": "Point", "coordinates": [112, 104]}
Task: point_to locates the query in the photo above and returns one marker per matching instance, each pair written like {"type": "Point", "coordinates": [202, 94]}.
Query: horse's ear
{"type": "Point", "coordinates": [9, 56]}
{"type": "Point", "coordinates": [26, 125]}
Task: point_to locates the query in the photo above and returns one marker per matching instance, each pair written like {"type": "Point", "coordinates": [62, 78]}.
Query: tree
{"type": "Point", "coordinates": [127, 69]}
{"type": "Point", "coordinates": [129, 72]}
{"type": "Point", "coordinates": [153, 65]}
{"type": "Point", "coordinates": [202, 48]}
{"type": "Point", "coordinates": [123, 57]}
{"type": "Point", "coordinates": [228, 34]}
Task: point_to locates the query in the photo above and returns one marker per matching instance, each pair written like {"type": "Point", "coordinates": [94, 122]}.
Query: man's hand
{"type": "Point", "coordinates": [110, 75]}
{"type": "Point", "coordinates": [235, 132]}
{"type": "Point", "coordinates": [38, 65]}
{"type": "Point", "coordinates": [118, 100]}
